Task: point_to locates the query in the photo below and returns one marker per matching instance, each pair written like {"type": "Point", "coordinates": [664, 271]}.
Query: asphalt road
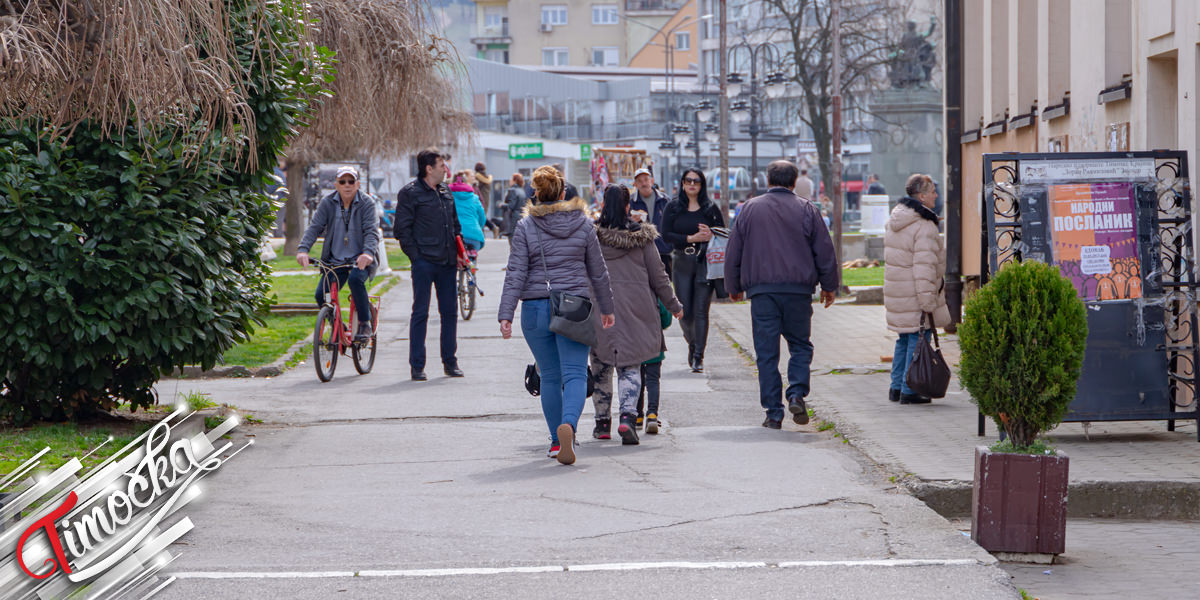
{"type": "Point", "coordinates": [379, 487]}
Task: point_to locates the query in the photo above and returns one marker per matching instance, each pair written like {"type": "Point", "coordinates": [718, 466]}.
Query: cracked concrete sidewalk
{"type": "Point", "coordinates": [379, 472]}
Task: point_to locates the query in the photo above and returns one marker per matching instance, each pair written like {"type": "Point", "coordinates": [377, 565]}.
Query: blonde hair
{"type": "Point", "coordinates": [917, 183]}
{"type": "Point", "coordinates": [463, 176]}
{"type": "Point", "coordinates": [548, 184]}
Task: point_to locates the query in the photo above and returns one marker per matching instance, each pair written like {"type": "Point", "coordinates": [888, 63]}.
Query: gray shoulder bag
{"type": "Point", "coordinates": [570, 315]}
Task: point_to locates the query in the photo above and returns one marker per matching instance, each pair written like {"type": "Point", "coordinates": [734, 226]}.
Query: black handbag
{"type": "Point", "coordinates": [928, 373]}
{"type": "Point", "coordinates": [571, 316]}
{"type": "Point", "coordinates": [533, 381]}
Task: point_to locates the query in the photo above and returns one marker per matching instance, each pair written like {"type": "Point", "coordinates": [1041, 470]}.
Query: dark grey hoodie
{"type": "Point", "coordinates": [569, 241]}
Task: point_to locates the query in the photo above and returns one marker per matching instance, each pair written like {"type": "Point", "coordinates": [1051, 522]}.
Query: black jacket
{"type": "Point", "coordinates": [514, 206]}
{"type": "Point", "coordinates": [426, 223]}
{"type": "Point", "coordinates": [712, 218]}
{"type": "Point", "coordinates": [660, 207]}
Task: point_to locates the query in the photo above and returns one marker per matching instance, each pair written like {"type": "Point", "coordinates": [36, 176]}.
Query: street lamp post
{"type": "Point", "coordinates": [741, 109]}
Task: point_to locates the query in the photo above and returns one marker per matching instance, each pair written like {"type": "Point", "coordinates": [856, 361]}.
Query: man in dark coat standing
{"type": "Point", "coordinates": [779, 251]}
{"type": "Point", "coordinates": [427, 229]}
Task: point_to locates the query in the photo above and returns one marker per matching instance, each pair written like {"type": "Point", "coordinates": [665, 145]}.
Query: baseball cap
{"type": "Point", "coordinates": [346, 170]}
{"type": "Point", "coordinates": [642, 171]}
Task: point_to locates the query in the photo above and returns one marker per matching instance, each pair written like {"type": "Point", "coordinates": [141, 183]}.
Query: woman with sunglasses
{"type": "Point", "coordinates": [687, 226]}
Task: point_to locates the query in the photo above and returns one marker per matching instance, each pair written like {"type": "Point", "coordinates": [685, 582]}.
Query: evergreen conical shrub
{"type": "Point", "coordinates": [1022, 339]}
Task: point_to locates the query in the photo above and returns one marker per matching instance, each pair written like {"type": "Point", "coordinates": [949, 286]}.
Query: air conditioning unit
{"type": "Point", "coordinates": [546, 28]}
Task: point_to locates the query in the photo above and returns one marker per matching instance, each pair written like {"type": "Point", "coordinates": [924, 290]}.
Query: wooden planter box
{"type": "Point", "coordinates": [1019, 502]}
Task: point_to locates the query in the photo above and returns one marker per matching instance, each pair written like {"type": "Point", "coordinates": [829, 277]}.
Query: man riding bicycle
{"type": "Point", "coordinates": [348, 222]}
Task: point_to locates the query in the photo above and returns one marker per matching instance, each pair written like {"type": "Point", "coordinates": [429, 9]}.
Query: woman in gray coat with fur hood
{"type": "Point", "coordinates": [639, 281]}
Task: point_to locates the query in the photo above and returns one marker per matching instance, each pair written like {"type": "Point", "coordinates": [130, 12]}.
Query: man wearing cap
{"type": "Point", "coordinates": [427, 229]}
{"type": "Point", "coordinates": [651, 201]}
{"type": "Point", "coordinates": [348, 222]}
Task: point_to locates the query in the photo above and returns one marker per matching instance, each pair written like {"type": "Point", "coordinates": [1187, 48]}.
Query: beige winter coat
{"type": "Point", "coordinates": [915, 263]}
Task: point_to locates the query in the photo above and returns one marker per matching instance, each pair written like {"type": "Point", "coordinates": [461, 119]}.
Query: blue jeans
{"type": "Point", "coordinates": [441, 277]}
{"type": "Point", "coordinates": [906, 345]}
{"type": "Point", "coordinates": [357, 280]}
{"type": "Point", "coordinates": [789, 315]}
{"type": "Point", "coordinates": [562, 364]}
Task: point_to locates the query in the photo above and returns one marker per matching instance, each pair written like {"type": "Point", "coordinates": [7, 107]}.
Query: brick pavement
{"type": "Point", "coordinates": [935, 442]}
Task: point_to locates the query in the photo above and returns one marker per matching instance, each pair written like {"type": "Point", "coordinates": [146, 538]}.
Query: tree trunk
{"type": "Point", "coordinates": [292, 229]}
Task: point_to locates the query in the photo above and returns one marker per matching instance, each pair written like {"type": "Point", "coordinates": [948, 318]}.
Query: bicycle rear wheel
{"type": "Point", "coordinates": [466, 295]}
{"type": "Point", "coordinates": [364, 354]}
{"type": "Point", "coordinates": [325, 344]}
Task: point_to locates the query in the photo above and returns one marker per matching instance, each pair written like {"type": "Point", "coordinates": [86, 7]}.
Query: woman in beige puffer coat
{"type": "Point", "coordinates": [913, 285]}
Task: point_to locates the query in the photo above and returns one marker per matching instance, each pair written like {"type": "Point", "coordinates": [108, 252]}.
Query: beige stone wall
{"type": "Point", "coordinates": [579, 36]}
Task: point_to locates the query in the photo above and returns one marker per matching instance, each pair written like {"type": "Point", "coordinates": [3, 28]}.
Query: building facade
{"type": "Point", "coordinates": [1074, 76]}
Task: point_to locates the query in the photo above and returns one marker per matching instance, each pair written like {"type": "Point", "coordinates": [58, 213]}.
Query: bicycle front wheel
{"type": "Point", "coordinates": [325, 344]}
{"type": "Point", "coordinates": [466, 296]}
{"type": "Point", "coordinates": [364, 353]}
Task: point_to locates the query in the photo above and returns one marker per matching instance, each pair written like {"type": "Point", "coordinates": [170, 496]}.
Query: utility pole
{"type": "Point", "coordinates": [724, 114]}
{"type": "Point", "coordinates": [954, 127]}
{"type": "Point", "coordinates": [836, 192]}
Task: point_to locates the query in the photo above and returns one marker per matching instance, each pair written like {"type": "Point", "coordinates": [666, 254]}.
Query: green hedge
{"type": "Point", "coordinates": [124, 257]}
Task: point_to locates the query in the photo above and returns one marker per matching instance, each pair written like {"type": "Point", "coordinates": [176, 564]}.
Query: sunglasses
{"type": "Point", "coordinates": [691, 180]}
{"type": "Point", "coordinates": [345, 182]}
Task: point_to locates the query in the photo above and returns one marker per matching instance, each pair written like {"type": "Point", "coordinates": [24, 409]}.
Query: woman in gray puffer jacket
{"type": "Point", "coordinates": [639, 282]}
{"type": "Point", "coordinates": [561, 230]}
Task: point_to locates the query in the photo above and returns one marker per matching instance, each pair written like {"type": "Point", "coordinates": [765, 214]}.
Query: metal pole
{"type": "Point", "coordinates": [954, 125]}
{"type": "Point", "coordinates": [696, 133]}
{"type": "Point", "coordinates": [836, 192]}
{"type": "Point", "coordinates": [754, 121]}
{"type": "Point", "coordinates": [724, 110]}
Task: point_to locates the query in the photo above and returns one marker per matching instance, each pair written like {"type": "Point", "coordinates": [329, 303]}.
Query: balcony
{"type": "Point", "coordinates": [495, 34]}
{"type": "Point", "coordinates": [635, 6]}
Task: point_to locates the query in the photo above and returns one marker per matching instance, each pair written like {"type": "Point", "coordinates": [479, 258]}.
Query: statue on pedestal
{"type": "Point", "coordinates": [914, 58]}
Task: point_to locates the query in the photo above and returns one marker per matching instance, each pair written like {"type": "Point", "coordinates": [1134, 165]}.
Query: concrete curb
{"type": "Point", "coordinates": [275, 369]}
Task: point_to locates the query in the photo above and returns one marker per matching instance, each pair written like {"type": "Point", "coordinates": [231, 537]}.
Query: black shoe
{"type": "Point", "coordinates": [628, 430]}
{"type": "Point", "coordinates": [914, 399]}
{"type": "Point", "coordinates": [419, 375]}
{"type": "Point", "coordinates": [697, 365]}
{"type": "Point", "coordinates": [364, 332]}
{"type": "Point", "coordinates": [453, 371]}
{"type": "Point", "coordinates": [770, 423]}
{"type": "Point", "coordinates": [603, 429]}
{"type": "Point", "coordinates": [799, 410]}
{"type": "Point", "coordinates": [893, 394]}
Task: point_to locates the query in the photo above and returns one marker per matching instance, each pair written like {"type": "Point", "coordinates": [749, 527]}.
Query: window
{"type": "Point", "coordinates": [554, 57]}
{"type": "Point", "coordinates": [604, 14]}
{"type": "Point", "coordinates": [493, 17]}
{"type": "Point", "coordinates": [683, 40]}
{"type": "Point", "coordinates": [605, 57]}
{"type": "Point", "coordinates": [496, 55]}
{"type": "Point", "coordinates": [554, 14]}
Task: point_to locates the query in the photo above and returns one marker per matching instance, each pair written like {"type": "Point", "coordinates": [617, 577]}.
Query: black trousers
{"type": "Point", "coordinates": [666, 260]}
{"type": "Point", "coordinates": [695, 292]}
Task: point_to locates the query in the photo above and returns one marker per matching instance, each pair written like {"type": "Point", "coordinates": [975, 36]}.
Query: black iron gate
{"type": "Point", "coordinates": [1143, 343]}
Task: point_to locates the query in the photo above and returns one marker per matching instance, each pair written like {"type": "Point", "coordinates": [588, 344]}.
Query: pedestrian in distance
{"type": "Point", "coordinates": [639, 282]}
{"type": "Point", "coordinates": [873, 185]}
{"type": "Point", "coordinates": [482, 182]}
{"type": "Point", "coordinates": [648, 205]}
{"type": "Point", "coordinates": [779, 251]}
{"type": "Point", "coordinates": [349, 222]}
{"type": "Point", "coordinates": [427, 228]}
{"type": "Point", "coordinates": [913, 283]}
{"type": "Point", "coordinates": [555, 247]}
{"type": "Point", "coordinates": [471, 219]}
{"type": "Point", "coordinates": [514, 204]}
{"type": "Point", "coordinates": [687, 226]}
{"type": "Point", "coordinates": [804, 185]}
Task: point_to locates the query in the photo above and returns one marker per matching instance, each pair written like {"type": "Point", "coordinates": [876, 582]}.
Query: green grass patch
{"type": "Point", "coordinates": [396, 259]}
{"type": "Point", "coordinates": [66, 441]}
{"type": "Point", "coordinates": [825, 426]}
{"type": "Point", "coordinates": [270, 341]}
{"type": "Point", "coordinates": [867, 276]}
{"type": "Point", "coordinates": [298, 357]}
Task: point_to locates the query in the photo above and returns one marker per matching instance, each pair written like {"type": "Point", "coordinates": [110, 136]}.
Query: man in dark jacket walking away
{"type": "Point", "coordinates": [427, 229]}
{"type": "Point", "coordinates": [651, 201]}
{"type": "Point", "coordinates": [779, 250]}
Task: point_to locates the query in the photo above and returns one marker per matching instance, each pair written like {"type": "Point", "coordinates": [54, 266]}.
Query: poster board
{"type": "Point", "coordinates": [875, 213]}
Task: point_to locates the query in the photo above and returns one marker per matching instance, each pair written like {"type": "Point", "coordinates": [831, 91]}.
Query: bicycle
{"type": "Point", "coordinates": [331, 337]}
{"type": "Point", "coordinates": [467, 285]}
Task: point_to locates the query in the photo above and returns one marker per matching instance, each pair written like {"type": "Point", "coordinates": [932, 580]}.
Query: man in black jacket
{"type": "Point", "coordinates": [779, 250]}
{"type": "Point", "coordinates": [427, 229]}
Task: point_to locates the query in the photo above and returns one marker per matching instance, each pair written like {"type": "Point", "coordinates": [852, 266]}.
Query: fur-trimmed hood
{"type": "Point", "coordinates": [625, 239]}
{"type": "Point", "coordinates": [559, 219]}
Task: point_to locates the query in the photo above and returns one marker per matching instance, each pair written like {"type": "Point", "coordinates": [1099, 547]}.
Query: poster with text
{"type": "Point", "coordinates": [1094, 231]}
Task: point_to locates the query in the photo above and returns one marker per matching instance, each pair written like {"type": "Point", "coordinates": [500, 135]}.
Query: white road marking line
{"type": "Point", "coordinates": [900, 562]}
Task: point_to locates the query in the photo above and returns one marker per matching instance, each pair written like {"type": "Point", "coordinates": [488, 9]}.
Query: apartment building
{"type": "Point", "coordinates": [1074, 76]}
